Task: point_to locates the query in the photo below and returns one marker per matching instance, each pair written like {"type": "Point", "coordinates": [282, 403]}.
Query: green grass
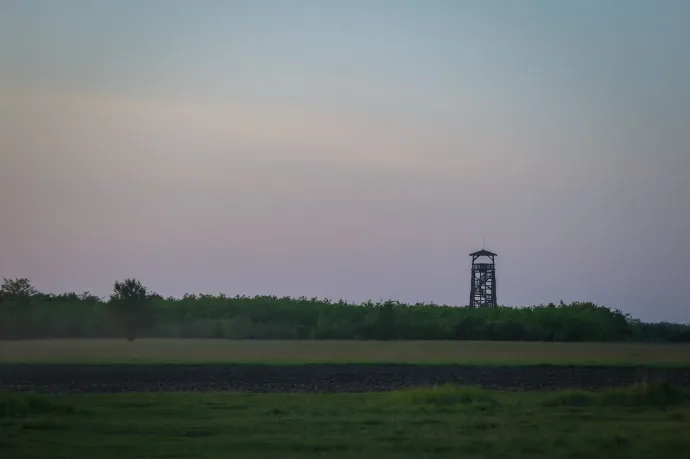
{"type": "Point", "coordinates": [199, 351]}
{"type": "Point", "coordinates": [442, 422]}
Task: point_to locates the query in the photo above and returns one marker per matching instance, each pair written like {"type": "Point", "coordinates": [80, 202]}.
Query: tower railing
{"type": "Point", "coordinates": [483, 266]}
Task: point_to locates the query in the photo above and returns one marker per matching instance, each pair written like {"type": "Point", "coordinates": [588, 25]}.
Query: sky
{"type": "Point", "coordinates": [351, 150]}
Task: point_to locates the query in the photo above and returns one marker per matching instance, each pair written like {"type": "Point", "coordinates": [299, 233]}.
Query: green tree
{"type": "Point", "coordinates": [131, 304]}
{"type": "Point", "coordinates": [15, 308]}
{"type": "Point", "coordinates": [20, 287]}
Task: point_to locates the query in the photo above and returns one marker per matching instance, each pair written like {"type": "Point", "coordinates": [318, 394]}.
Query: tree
{"type": "Point", "coordinates": [129, 290]}
{"type": "Point", "coordinates": [15, 311]}
{"type": "Point", "coordinates": [131, 304]}
{"type": "Point", "coordinates": [382, 322]}
{"type": "Point", "coordinates": [20, 287]}
{"type": "Point", "coordinates": [87, 296]}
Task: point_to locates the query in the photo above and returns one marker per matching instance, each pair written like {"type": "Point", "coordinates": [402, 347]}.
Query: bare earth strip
{"type": "Point", "coordinates": [332, 378]}
{"type": "Point", "coordinates": [106, 366]}
{"type": "Point", "coordinates": [193, 351]}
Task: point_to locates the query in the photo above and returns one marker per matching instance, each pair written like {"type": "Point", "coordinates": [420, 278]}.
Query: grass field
{"type": "Point", "coordinates": [440, 422]}
{"type": "Point", "coordinates": [299, 352]}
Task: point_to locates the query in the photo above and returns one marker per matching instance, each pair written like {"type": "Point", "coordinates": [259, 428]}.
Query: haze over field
{"type": "Point", "coordinates": [351, 150]}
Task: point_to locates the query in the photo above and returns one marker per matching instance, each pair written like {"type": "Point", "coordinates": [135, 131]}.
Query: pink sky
{"type": "Point", "coordinates": [224, 150]}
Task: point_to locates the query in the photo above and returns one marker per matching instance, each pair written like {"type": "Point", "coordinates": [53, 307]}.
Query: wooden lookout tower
{"type": "Point", "coordinates": [483, 286]}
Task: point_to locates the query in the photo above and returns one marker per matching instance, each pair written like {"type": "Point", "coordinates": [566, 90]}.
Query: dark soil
{"type": "Point", "coordinates": [317, 378]}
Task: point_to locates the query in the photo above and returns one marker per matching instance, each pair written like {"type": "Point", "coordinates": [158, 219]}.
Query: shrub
{"type": "Point", "coordinates": [445, 395]}
{"type": "Point", "coordinates": [644, 394]}
{"type": "Point", "coordinates": [647, 394]}
{"type": "Point", "coordinates": [14, 405]}
{"type": "Point", "coordinates": [571, 398]}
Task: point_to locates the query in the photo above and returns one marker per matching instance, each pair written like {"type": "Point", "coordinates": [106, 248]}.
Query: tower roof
{"type": "Point", "coordinates": [483, 253]}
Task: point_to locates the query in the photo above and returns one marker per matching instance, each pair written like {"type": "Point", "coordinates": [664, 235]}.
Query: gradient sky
{"type": "Point", "coordinates": [354, 149]}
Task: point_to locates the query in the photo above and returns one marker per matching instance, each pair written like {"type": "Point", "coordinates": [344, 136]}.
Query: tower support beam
{"type": "Point", "coordinates": [483, 280]}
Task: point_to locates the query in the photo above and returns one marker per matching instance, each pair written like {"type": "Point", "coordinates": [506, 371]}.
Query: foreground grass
{"type": "Point", "coordinates": [148, 351]}
{"type": "Point", "coordinates": [644, 421]}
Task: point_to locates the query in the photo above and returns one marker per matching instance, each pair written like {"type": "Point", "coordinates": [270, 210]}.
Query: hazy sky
{"type": "Point", "coordinates": [350, 149]}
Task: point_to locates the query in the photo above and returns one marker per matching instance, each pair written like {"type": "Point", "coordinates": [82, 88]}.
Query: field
{"type": "Point", "coordinates": [445, 422]}
{"type": "Point", "coordinates": [159, 398]}
{"type": "Point", "coordinates": [107, 366]}
{"type": "Point", "coordinates": [206, 351]}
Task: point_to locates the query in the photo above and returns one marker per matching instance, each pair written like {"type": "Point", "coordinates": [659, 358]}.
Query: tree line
{"type": "Point", "coordinates": [133, 311]}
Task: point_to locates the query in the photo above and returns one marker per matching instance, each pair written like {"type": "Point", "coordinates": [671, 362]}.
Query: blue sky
{"type": "Point", "coordinates": [349, 149]}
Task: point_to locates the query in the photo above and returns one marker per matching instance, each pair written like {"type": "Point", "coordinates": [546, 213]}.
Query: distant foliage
{"type": "Point", "coordinates": [16, 288]}
{"type": "Point", "coordinates": [133, 311]}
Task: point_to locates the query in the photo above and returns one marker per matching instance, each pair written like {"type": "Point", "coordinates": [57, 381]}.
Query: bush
{"type": "Point", "coordinates": [571, 398]}
{"type": "Point", "coordinates": [445, 395]}
{"type": "Point", "coordinates": [14, 405]}
{"type": "Point", "coordinates": [644, 394]}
